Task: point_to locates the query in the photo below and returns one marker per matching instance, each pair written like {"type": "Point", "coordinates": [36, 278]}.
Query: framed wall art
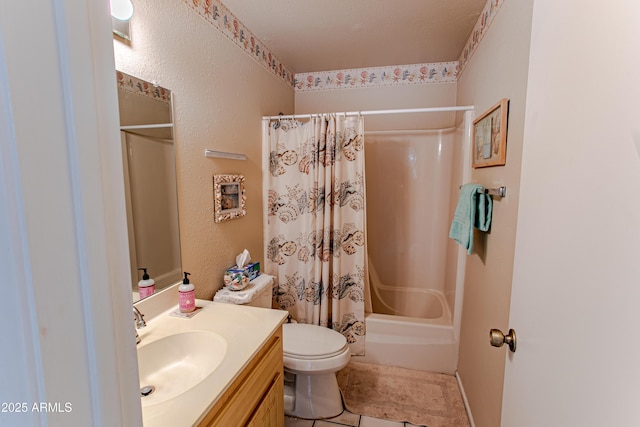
{"type": "Point", "coordinates": [489, 137]}
{"type": "Point", "coordinates": [228, 197]}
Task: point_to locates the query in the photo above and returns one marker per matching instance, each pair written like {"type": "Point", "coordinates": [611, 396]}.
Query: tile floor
{"type": "Point", "coordinates": [344, 419]}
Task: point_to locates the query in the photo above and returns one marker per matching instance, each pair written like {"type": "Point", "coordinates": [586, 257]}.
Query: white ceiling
{"type": "Point", "coordinates": [312, 35]}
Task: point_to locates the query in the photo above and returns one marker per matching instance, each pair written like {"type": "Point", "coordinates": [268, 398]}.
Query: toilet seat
{"type": "Point", "coordinates": [313, 349]}
{"type": "Point", "coordinates": [306, 341]}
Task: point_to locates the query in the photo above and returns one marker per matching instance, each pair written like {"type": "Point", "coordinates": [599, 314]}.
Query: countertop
{"type": "Point", "coordinates": [244, 328]}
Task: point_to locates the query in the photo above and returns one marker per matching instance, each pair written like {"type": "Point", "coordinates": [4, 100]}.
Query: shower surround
{"type": "Point", "coordinates": [416, 272]}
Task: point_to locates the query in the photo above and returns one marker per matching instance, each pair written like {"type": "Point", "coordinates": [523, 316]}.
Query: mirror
{"type": "Point", "coordinates": [148, 152]}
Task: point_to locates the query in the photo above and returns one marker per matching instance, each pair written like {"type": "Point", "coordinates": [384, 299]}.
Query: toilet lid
{"type": "Point", "coordinates": [310, 341]}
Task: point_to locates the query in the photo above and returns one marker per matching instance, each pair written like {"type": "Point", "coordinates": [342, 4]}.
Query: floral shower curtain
{"type": "Point", "coordinates": [315, 230]}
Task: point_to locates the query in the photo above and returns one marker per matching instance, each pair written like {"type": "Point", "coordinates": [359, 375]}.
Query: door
{"type": "Point", "coordinates": [68, 357]}
{"type": "Point", "coordinates": [576, 287]}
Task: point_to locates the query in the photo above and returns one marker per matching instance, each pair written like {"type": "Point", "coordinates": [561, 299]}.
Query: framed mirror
{"type": "Point", "coordinates": [148, 152]}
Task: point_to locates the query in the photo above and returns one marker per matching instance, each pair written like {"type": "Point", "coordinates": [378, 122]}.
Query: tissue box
{"type": "Point", "coordinates": [250, 270]}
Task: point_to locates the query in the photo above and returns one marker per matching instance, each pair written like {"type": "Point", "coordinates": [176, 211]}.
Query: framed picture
{"type": "Point", "coordinates": [490, 136]}
{"type": "Point", "coordinates": [228, 197]}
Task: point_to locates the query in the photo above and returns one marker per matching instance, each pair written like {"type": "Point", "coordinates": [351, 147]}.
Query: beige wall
{"type": "Point", "coordinates": [385, 98]}
{"type": "Point", "coordinates": [498, 69]}
{"type": "Point", "coordinates": [220, 95]}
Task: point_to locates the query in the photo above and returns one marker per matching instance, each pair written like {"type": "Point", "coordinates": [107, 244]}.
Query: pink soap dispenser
{"type": "Point", "coordinates": [146, 286]}
{"type": "Point", "coordinates": [187, 295]}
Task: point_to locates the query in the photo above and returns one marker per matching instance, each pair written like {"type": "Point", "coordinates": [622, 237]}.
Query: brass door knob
{"type": "Point", "coordinates": [497, 339]}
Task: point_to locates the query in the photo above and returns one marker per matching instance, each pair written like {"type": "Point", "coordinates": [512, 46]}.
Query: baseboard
{"type": "Point", "coordinates": [464, 399]}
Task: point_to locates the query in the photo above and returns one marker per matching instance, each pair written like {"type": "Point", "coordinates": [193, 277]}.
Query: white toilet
{"type": "Point", "coordinates": [312, 356]}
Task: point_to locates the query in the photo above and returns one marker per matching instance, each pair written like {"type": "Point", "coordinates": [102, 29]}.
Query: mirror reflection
{"type": "Point", "coordinates": [148, 151]}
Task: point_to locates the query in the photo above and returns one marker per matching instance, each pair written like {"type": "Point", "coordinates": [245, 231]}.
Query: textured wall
{"type": "Point", "coordinates": [220, 95]}
{"type": "Point", "coordinates": [498, 69]}
{"type": "Point", "coordinates": [385, 98]}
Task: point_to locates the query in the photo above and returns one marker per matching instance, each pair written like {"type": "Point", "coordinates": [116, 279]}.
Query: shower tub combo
{"type": "Point", "coordinates": [416, 272]}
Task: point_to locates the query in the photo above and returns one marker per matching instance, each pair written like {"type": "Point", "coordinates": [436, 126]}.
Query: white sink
{"type": "Point", "coordinates": [176, 363]}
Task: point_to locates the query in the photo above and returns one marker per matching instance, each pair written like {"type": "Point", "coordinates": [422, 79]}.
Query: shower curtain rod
{"type": "Point", "coordinates": [376, 112]}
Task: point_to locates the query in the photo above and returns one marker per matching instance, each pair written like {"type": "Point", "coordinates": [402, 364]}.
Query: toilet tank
{"type": "Point", "coordinates": [256, 294]}
{"type": "Point", "coordinates": [262, 298]}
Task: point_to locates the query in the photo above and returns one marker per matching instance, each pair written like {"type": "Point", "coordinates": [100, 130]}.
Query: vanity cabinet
{"type": "Point", "coordinates": [256, 397]}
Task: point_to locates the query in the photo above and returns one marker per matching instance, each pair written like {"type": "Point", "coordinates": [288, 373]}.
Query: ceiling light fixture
{"type": "Point", "coordinates": [122, 9]}
{"type": "Point", "coordinates": [121, 13]}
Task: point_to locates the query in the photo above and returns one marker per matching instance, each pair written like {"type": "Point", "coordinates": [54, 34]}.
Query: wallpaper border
{"type": "Point", "coordinates": [441, 72]}
{"type": "Point", "coordinates": [142, 87]}
{"type": "Point", "coordinates": [221, 18]}
{"type": "Point", "coordinates": [489, 12]}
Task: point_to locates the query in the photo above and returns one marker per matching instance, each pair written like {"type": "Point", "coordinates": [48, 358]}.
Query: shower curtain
{"type": "Point", "coordinates": [315, 230]}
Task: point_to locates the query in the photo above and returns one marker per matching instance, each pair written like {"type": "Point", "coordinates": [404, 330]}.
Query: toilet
{"type": "Point", "coordinates": [312, 356]}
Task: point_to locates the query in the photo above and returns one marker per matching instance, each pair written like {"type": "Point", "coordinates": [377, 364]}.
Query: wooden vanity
{"type": "Point", "coordinates": [245, 389]}
{"type": "Point", "coordinates": [256, 396]}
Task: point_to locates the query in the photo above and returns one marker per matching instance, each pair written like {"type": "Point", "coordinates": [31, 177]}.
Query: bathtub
{"type": "Point", "coordinates": [410, 327]}
{"type": "Point", "coordinates": [426, 344]}
{"type": "Point", "coordinates": [410, 302]}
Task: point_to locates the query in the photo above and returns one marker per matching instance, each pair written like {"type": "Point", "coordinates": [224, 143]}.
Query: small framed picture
{"type": "Point", "coordinates": [490, 136]}
{"type": "Point", "coordinates": [228, 197]}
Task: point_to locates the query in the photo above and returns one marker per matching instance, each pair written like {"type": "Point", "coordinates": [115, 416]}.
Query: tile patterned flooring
{"type": "Point", "coordinates": [345, 419]}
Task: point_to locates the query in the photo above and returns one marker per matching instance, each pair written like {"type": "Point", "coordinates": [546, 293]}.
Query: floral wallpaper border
{"type": "Point", "coordinates": [441, 72]}
{"type": "Point", "coordinates": [142, 87]}
{"type": "Point", "coordinates": [217, 14]}
{"type": "Point", "coordinates": [479, 30]}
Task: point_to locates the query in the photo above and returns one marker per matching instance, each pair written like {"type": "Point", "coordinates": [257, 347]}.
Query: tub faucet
{"type": "Point", "coordinates": [140, 323]}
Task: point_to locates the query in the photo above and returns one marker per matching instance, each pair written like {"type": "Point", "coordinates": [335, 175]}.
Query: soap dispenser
{"type": "Point", "coordinates": [146, 286]}
{"type": "Point", "coordinates": [187, 295]}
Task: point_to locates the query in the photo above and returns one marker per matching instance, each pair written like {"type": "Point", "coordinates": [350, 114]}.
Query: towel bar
{"type": "Point", "coordinates": [225, 155]}
{"type": "Point", "coordinates": [500, 191]}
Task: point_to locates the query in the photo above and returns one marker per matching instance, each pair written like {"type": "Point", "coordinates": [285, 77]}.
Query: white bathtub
{"type": "Point", "coordinates": [407, 342]}
{"type": "Point", "coordinates": [410, 302]}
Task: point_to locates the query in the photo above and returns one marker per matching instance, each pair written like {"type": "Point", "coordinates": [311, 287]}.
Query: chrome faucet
{"type": "Point", "coordinates": [140, 323]}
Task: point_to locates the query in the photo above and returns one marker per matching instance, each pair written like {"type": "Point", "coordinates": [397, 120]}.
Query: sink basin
{"type": "Point", "coordinates": [174, 364]}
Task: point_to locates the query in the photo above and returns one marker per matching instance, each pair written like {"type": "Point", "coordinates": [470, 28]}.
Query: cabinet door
{"type": "Point", "coordinates": [270, 412]}
{"type": "Point", "coordinates": [255, 385]}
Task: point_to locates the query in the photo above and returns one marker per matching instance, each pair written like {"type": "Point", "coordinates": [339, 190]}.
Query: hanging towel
{"type": "Point", "coordinates": [473, 210]}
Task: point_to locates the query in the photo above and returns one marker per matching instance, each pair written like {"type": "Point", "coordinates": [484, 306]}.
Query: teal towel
{"type": "Point", "coordinates": [473, 210]}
